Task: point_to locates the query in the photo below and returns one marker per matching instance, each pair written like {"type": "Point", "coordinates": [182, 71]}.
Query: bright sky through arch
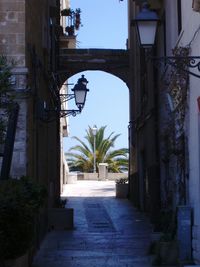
{"type": "Point", "coordinates": [104, 26]}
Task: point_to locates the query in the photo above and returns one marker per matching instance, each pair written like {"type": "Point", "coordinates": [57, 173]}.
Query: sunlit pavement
{"type": "Point", "coordinates": [108, 231]}
{"type": "Point", "coordinates": [90, 189]}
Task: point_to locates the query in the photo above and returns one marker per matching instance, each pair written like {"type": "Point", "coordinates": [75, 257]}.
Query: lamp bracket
{"type": "Point", "coordinates": [52, 115]}
{"type": "Point", "coordinates": [183, 63]}
{"type": "Point", "coordinates": [63, 112]}
{"type": "Point", "coordinates": [66, 97]}
{"type": "Point", "coordinates": [69, 112]}
{"type": "Point", "coordinates": [59, 99]}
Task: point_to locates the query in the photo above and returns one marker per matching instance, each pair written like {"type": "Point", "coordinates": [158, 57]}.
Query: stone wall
{"type": "Point", "coordinates": [12, 30]}
{"type": "Point", "coordinates": [95, 176]}
{"type": "Point", "coordinates": [25, 38]}
{"type": "Point", "coordinates": [12, 45]}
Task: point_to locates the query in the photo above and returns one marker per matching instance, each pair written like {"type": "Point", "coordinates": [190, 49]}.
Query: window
{"type": "Point", "coordinates": [179, 16]}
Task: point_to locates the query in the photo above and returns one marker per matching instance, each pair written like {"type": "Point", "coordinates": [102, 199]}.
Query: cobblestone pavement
{"type": "Point", "coordinates": [108, 231]}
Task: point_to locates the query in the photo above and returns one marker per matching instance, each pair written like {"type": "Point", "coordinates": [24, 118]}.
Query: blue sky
{"type": "Point", "coordinates": [104, 26]}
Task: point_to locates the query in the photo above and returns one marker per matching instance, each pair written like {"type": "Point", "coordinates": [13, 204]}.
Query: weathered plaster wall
{"type": "Point", "coordinates": [191, 26]}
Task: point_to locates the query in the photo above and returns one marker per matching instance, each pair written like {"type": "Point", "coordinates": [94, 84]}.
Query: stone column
{"type": "Point", "coordinates": [103, 171]}
{"type": "Point", "coordinates": [19, 159]}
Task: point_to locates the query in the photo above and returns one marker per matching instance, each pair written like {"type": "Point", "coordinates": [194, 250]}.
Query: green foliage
{"type": "Point", "coordinates": [6, 97]}
{"type": "Point", "coordinates": [60, 203]}
{"type": "Point", "coordinates": [2, 130]}
{"type": "Point", "coordinates": [20, 201]}
{"type": "Point", "coordinates": [81, 157]}
{"type": "Point", "coordinates": [122, 180]}
{"type": "Point", "coordinates": [5, 80]}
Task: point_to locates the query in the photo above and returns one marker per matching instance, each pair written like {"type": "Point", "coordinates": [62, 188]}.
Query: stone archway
{"type": "Point", "coordinates": [73, 61]}
{"type": "Point", "coordinates": [113, 61]}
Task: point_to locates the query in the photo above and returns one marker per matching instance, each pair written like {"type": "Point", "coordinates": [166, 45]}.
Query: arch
{"type": "Point", "coordinates": [107, 103]}
{"type": "Point", "coordinates": [112, 61]}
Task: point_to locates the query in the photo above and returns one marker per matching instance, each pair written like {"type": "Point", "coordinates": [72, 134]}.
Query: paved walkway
{"type": "Point", "coordinates": [108, 231]}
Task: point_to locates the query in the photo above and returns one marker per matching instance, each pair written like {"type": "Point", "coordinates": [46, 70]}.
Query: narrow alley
{"type": "Point", "coordinates": [107, 231]}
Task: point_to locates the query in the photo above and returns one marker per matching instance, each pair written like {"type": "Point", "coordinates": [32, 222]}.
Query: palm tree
{"type": "Point", "coordinates": [81, 157]}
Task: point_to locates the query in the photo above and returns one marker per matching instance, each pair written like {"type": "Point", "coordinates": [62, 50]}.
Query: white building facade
{"type": "Point", "coordinates": [191, 38]}
{"type": "Point", "coordinates": [177, 109]}
{"type": "Point", "coordinates": [182, 35]}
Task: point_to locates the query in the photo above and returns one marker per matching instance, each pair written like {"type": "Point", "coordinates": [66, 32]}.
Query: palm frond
{"type": "Point", "coordinates": [81, 156]}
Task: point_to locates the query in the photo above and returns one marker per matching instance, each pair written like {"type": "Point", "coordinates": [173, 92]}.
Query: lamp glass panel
{"type": "Point", "coordinates": [80, 96]}
{"type": "Point", "coordinates": [94, 130]}
{"type": "Point", "coordinates": [147, 32]}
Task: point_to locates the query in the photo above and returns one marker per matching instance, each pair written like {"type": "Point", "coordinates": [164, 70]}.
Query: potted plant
{"type": "Point", "coordinates": [70, 30]}
{"type": "Point", "coordinates": [121, 186]}
{"type": "Point", "coordinates": [60, 217]}
{"type": "Point", "coordinates": [166, 248]}
{"type": "Point", "coordinates": [20, 201]}
{"type": "Point", "coordinates": [66, 12]}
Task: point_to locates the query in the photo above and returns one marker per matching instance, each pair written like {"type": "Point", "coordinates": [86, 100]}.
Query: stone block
{"type": "Point", "coordinates": [12, 28]}
{"type": "Point", "coordinates": [13, 6]}
{"type": "Point", "coordinates": [22, 158]}
{"type": "Point", "coordinates": [61, 219]}
{"type": "Point", "coordinates": [196, 257]}
{"type": "Point", "coordinates": [20, 38]}
{"type": "Point", "coordinates": [103, 171]}
{"type": "Point", "coordinates": [8, 38]}
{"type": "Point", "coordinates": [2, 17]}
{"type": "Point", "coordinates": [196, 232]}
{"type": "Point", "coordinates": [19, 145]}
{"type": "Point", "coordinates": [194, 244]}
{"type": "Point", "coordinates": [21, 17]}
{"type": "Point", "coordinates": [184, 234]}
{"type": "Point", "coordinates": [12, 16]}
{"type": "Point", "coordinates": [71, 178]}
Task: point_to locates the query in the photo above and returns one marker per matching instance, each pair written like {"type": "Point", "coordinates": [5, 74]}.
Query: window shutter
{"type": "Point", "coordinates": [196, 5]}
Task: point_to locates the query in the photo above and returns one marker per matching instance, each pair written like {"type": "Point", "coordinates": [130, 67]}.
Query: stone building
{"type": "Point", "coordinates": [32, 34]}
{"type": "Point", "coordinates": [164, 104]}
{"type": "Point", "coordinates": [29, 35]}
{"type": "Point", "coordinates": [165, 122]}
{"type": "Point", "coordinates": [143, 141]}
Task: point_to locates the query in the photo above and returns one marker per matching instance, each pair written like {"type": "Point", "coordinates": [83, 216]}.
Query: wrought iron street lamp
{"type": "Point", "coordinates": [80, 92]}
{"type": "Point", "coordinates": [146, 23]}
{"type": "Point", "coordinates": [94, 132]}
